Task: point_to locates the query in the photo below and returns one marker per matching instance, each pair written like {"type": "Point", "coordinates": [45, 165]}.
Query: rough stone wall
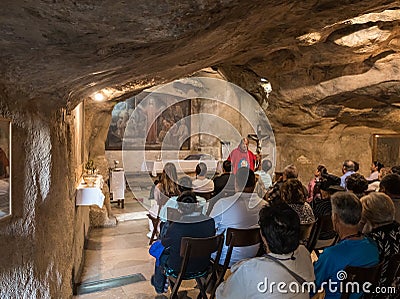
{"type": "Point", "coordinates": [80, 232]}
{"type": "Point", "coordinates": [97, 122]}
{"type": "Point", "coordinates": [36, 242]}
{"type": "Point", "coordinates": [330, 148]}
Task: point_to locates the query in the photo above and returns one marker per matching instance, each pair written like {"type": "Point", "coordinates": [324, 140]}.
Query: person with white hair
{"type": "Point", "coordinates": [379, 225]}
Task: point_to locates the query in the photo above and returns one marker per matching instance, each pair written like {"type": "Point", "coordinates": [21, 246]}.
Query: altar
{"type": "Point", "coordinates": [87, 195]}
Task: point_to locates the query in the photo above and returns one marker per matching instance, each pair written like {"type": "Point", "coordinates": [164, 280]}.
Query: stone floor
{"type": "Point", "coordinates": [119, 251]}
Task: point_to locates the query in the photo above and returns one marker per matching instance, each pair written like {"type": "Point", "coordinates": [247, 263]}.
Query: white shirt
{"type": "Point", "coordinates": [252, 278]}
{"type": "Point", "coordinates": [172, 203]}
{"type": "Point", "coordinates": [203, 186]}
{"type": "Point", "coordinates": [373, 176]}
{"type": "Point", "coordinates": [343, 178]}
{"type": "Point", "coordinates": [237, 211]}
{"type": "Point", "coordinates": [265, 178]}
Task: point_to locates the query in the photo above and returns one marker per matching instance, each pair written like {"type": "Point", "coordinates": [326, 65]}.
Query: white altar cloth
{"type": "Point", "coordinates": [87, 196]}
{"type": "Point", "coordinates": [117, 184]}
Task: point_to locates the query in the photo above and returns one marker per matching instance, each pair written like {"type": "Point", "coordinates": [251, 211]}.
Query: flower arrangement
{"type": "Point", "coordinates": [90, 177]}
{"type": "Point", "coordinates": [90, 167]}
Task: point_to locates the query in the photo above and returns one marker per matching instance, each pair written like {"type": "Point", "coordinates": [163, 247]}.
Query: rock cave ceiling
{"type": "Point", "coordinates": [326, 60]}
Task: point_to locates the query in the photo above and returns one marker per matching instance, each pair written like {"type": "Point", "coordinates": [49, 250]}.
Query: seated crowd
{"type": "Point", "coordinates": [361, 226]}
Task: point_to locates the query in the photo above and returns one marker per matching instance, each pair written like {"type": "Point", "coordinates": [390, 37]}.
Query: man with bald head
{"type": "Point", "coordinates": [242, 156]}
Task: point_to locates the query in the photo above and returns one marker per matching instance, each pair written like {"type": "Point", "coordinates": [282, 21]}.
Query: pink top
{"type": "Point", "coordinates": [311, 186]}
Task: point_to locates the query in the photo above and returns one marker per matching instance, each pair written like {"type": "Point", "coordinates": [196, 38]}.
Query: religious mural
{"type": "Point", "coordinates": [162, 122]}
{"type": "Point", "coordinates": [386, 149]}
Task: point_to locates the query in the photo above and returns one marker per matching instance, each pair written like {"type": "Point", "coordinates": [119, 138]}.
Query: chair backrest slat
{"type": "Point", "coordinates": [361, 275]}
{"type": "Point", "coordinates": [206, 195]}
{"type": "Point", "coordinates": [194, 248]}
{"type": "Point", "coordinates": [155, 233]}
{"type": "Point", "coordinates": [173, 214]}
{"type": "Point", "coordinates": [305, 231]}
{"type": "Point", "coordinates": [327, 225]}
{"type": "Point", "coordinates": [323, 224]}
{"type": "Point", "coordinates": [236, 237]}
{"type": "Point", "coordinates": [200, 247]}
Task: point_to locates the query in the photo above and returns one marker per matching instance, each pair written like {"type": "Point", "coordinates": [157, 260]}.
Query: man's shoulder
{"type": "Point", "coordinates": [251, 263]}
{"type": "Point", "coordinates": [260, 266]}
{"type": "Point", "coordinates": [230, 198]}
{"type": "Point", "coordinates": [251, 153]}
{"type": "Point", "coordinates": [343, 246]}
{"type": "Point", "coordinates": [234, 152]}
{"type": "Point", "coordinates": [226, 201]}
{"type": "Point", "coordinates": [334, 250]}
{"type": "Point", "coordinates": [205, 220]}
{"type": "Point", "coordinates": [223, 176]}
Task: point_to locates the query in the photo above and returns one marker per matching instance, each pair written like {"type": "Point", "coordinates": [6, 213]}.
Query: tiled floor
{"type": "Point", "coordinates": [120, 251]}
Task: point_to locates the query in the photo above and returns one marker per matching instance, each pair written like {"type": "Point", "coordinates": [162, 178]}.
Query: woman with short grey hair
{"type": "Point", "coordinates": [377, 210]}
{"type": "Point", "coordinates": [379, 224]}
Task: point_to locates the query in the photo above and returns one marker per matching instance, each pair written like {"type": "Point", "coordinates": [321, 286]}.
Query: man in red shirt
{"type": "Point", "coordinates": [242, 156]}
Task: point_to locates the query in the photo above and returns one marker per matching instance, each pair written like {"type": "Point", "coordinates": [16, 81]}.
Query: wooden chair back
{"type": "Point", "coordinates": [314, 234]}
{"type": "Point", "coordinates": [196, 248]}
{"type": "Point", "coordinates": [206, 195]}
{"type": "Point", "coordinates": [305, 231]}
{"type": "Point", "coordinates": [361, 275]}
{"type": "Point", "coordinates": [173, 214]}
{"type": "Point", "coordinates": [236, 237]}
{"type": "Point", "coordinates": [326, 226]}
{"type": "Point", "coordinates": [323, 224]}
{"type": "Point", "coordinates": [155, 221]}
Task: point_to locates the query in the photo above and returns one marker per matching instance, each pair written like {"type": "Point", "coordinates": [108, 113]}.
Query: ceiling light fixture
{"type": "Point", "coordinates": [99, 97]}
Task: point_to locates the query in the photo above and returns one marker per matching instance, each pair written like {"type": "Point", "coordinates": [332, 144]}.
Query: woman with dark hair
{"type": "Point", "coordinates": [202, 184]}
{"type": "Point", "coordinates": [312, 185]}
{"type": "Point", "coordinates": [357, 184]}
{"type": "Point", "coordinates": [285, 259]}
{"type": "Point", "coordinates": [166, 188]}
{"type": "Point", "coordinates": [376, 167]}
{"type": "Point", "coordinates": [294, 194]}
{"type": "Point", "coordinates": [191, 224]}
{"type": "Point", "coordinates": [374, 185]}
{"type": "Point", "coordinates": [184, 184]}
{"type": "Point", "coordinates": [329, 185]}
